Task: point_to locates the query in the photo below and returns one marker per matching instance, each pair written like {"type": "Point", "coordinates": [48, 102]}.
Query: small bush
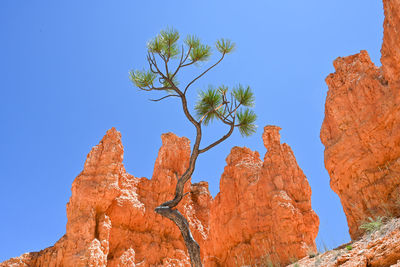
{"type": "Point", "coordinates": [372, 225]}
{"type": "Point", "coordinates": [312, 254]}
{"type": "Point", "coordinates": [349, 247]}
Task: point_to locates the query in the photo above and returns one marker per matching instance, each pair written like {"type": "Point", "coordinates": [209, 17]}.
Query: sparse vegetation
{"type": "Point", "coordinates": [312, 253]}
{"type": "Point", "coordinates": [372, 225]}
{"type": "Point", "coordinates": [324, 248]}
{"type": "Point", "coordinates": [349, 247]}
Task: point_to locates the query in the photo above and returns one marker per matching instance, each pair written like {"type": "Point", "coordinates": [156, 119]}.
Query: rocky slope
{"type": "Point", "coordinates": [376, 249]}
{"type": "Point", "coordinates": [262, 212]}
{"type": "Point", "coordinates": [361, 129]}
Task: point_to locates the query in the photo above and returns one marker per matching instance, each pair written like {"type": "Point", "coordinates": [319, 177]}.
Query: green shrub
{"type": "Point", "coordinates": [372, 225]}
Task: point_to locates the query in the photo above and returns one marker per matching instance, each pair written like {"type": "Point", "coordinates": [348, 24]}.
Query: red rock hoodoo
{"type": "Point", "coordinates": [263, 210]}
{"type": "Point", "coordinates": [361, 129]}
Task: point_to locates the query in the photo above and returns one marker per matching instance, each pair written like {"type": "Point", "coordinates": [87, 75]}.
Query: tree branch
{"type": "Point", "coordinates": [181, 62]}
{"type": "Point", "coordinates": [187, 55]}
{"type": "Point", "coordinates": [198, 77]}
{"type": "Point", "coordinates": [224, 119]}
{"type": "Point", "coordinates": [188, 64]}
{"type": "Point", "coordinates": [219, 140]}
{"type": "Point", "coordinates": [193, 157]}
{"type": "Point", "coordinates": [231, 112]}
{"type": "Point", "coordinates": [156, 100]}
{"type": "Point", "coordinates": [165, 64]}
{"type": "Point", "coordinates": [154, 62]}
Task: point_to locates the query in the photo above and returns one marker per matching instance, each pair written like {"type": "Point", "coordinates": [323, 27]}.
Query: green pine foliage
{"type": "Point", "coordinates": [165, 43]}
{"type": "Point", "coordinates": [228, 106]}
{"type": "Point", "coordinates": [213, 104]}
{"type": "Point", "coordinates": [372, 225]}
{"type": "Point", "coordinates": [207, 104]}
{"type": "Point", "coordinates": [192, 41]}
{"type": "Point", "coordinates": [143, 78]}
{"type": "Point", "coordinates": [225, 46]}
{"type": "Point", "coordinates": [170, 84]}
{"type": "Point", "coordinates": [200, 52]}
{"type": "Point", "coordinates": [244, 96]}
{"type": "Point", "coordinates": [246, 122]}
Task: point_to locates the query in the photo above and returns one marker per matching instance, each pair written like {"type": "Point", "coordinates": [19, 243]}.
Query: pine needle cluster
{"type": "Point", "coordinates": [216, 104]}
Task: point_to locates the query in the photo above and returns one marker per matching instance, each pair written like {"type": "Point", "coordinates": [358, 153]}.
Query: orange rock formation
{"type": "Point", "coordinates": [361, 129]}
{"type": "Point", "coordinates": [263, 209]}
{"type": "Point", "coordinates": [377, 249]}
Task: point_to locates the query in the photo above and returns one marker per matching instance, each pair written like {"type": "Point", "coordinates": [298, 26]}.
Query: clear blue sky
{"type": "Point", "coordinates": [64, 81]}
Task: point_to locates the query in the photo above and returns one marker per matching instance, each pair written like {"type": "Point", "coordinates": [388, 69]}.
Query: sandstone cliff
{"type": "Point", "coordinates": [262, 211]}
{"type": "Point", "coordinates": [361, 129]}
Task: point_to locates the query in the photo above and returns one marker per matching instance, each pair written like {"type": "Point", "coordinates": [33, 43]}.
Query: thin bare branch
{"type": "Point", "coordinates": [226, 105]}
{"type": "Point", "coordinates": [198, 77]}
{"type": "Point", "coordinates": [231, 106]}
{"type": "Point", "coordinates": [156, 100]}
{"type": "Point", "coordinates": [219, 140]}
{"type": "Point", "coordinates": [215, 109]}
{"type": "Point", "coordinates": [183, 52]}
{"type": "Point", "coordinates": [165, 64]}
{"type": "Point", "coordinates": [224, 119]}
{"type": "Point", "coordinates": [143, 89]}
{"type": "Point", "coordinates": [154, 62]}
{"type": "Point", "coordinates": [187, 55]}
{"type": "Point", "coordinates": [188, 64]}
{"type": "Point", "coordinates": [232, 112]}
{"type": "Point", "coordinates": [181, 63]}
{"type": "Point", "coordinates": [151, 65]}
{"type": "Point", "coordinates": [150, 58]}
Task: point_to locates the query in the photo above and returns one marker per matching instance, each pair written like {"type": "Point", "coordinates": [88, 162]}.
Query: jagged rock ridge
{"type": "Point", "coordinates": [263, 210]}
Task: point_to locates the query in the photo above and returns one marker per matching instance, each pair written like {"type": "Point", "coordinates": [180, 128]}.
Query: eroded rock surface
{"type": "Point", "coordinates": [378, 249]}
{"type": "Point", "coordinates": [361, 129]}
{"type": "Point", "coordinates": [263, 210]}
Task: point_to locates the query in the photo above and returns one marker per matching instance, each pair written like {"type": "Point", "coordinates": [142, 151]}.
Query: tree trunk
{"type": "Point", "coordinates": [191, 244]}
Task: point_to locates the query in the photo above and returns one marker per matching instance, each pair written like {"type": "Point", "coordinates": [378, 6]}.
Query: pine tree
{"type": "Point", "coordinates": [231, 107]}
